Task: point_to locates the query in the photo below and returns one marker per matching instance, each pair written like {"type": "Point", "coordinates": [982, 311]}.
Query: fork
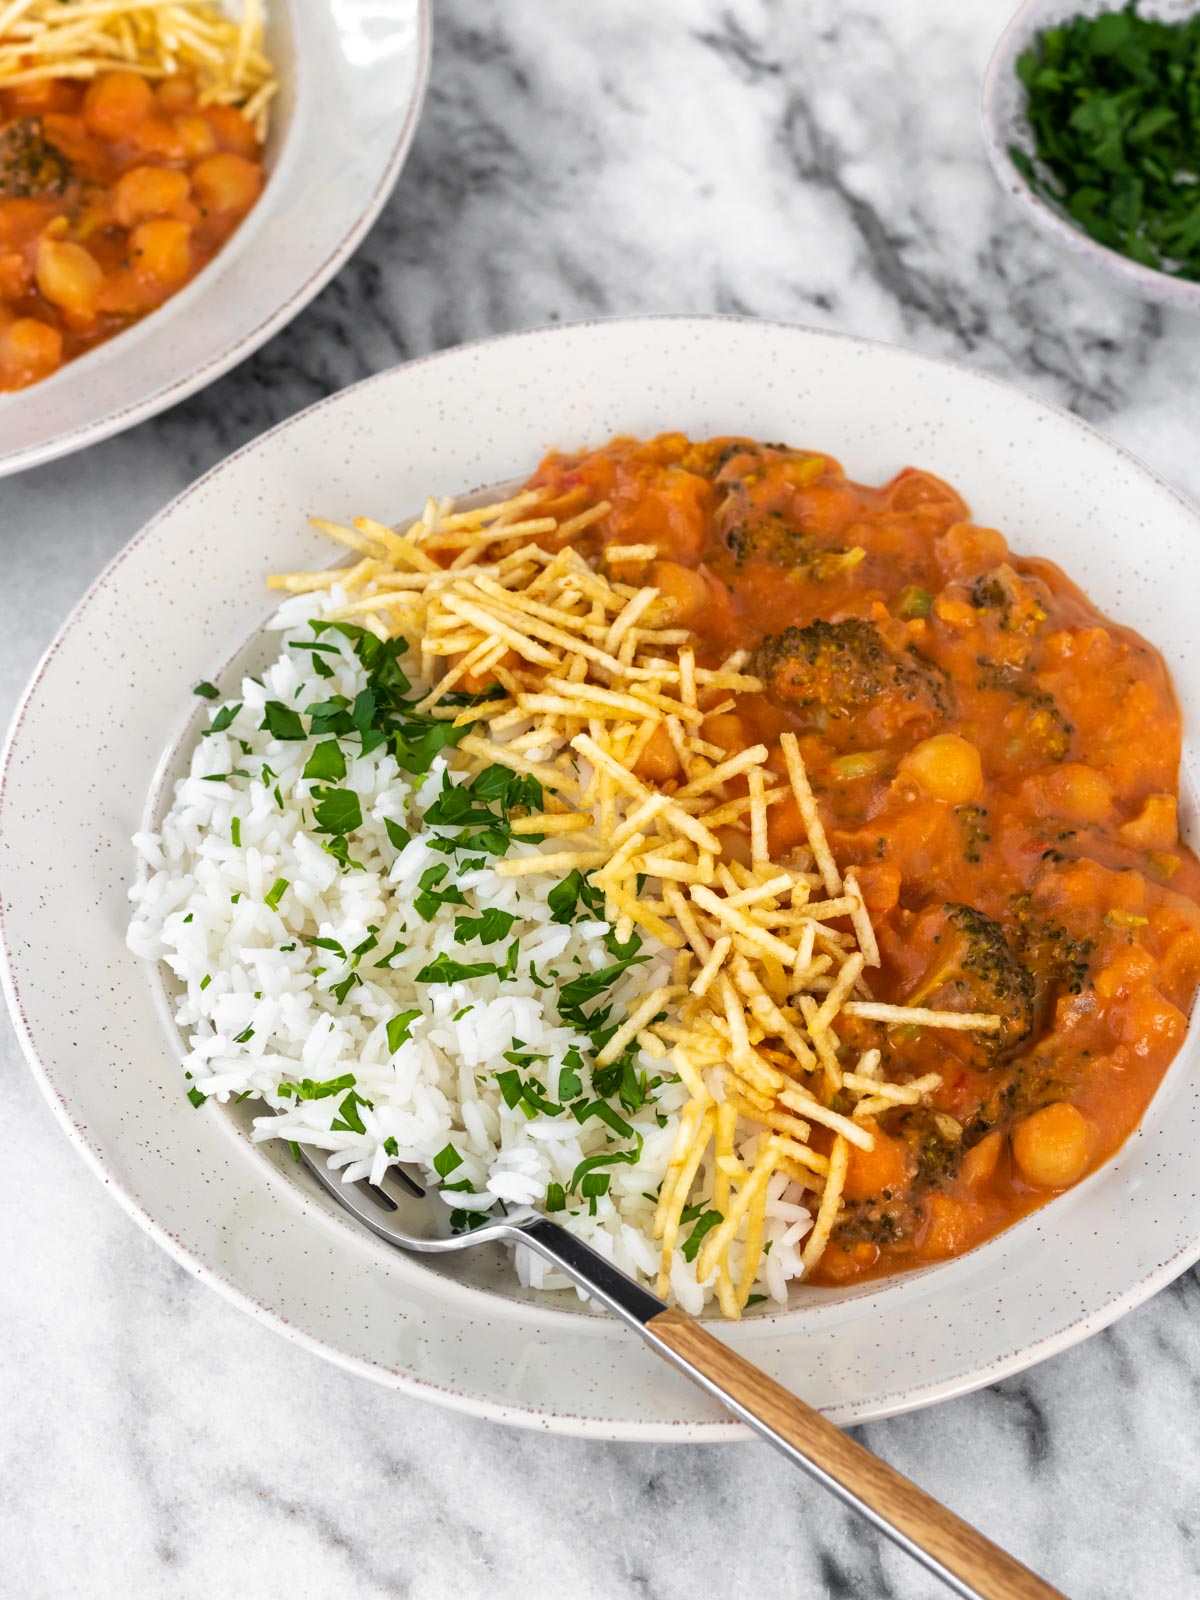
{"type": "Point", "coordinates": [400, 1211]}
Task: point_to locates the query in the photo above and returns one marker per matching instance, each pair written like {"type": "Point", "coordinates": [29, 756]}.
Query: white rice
{"type": "Point", "coordinates": [256, 1007]}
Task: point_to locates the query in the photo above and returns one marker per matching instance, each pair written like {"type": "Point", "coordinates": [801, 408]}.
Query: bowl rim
{"type": "Point", "coordinates": [182, 388]}
{"type": "Point", "coordinates": [1157, 285]}
{"type": "Point", "coordinates": [717, 1429]}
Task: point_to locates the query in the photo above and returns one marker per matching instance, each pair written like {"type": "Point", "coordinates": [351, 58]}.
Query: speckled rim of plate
{"type": "Point", "coordinates": [355, 70]}
{"type": "Point", "coordinates": [469, 417]}
{"type": "Point", "coordinates": [1001, 108]}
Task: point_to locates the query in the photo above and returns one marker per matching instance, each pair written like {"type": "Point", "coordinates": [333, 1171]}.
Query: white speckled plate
{"type": "Point", "coordinates": [352, 78]}
{"type": "Point", "coordinates": [1002, 109]}
{"type": "Point", "coordinates": [111, 700]}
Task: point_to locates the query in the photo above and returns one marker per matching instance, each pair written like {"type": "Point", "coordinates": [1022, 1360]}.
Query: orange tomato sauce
{"type": "Point", "coordinates": [1001, 763]}
{"type": "Point", "coordinates": [113, 195]}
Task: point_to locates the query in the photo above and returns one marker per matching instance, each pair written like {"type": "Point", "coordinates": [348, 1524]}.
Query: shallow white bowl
{"type": "Point", "coordinates": [109, 704]}
{"type": "Point", "coordinates": [352, 79]}
{"type": "Point", "coordinates": [1002, 109]}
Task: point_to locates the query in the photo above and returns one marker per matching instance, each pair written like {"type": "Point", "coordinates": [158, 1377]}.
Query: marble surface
{"type": "Point", "coordinates": [819, 162]}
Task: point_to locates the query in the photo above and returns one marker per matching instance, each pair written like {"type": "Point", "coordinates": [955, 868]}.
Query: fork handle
{"type": "Point", "coordinates": [959, 1554]}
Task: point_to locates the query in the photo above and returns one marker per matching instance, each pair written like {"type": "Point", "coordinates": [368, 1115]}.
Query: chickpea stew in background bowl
{"type": "Point", "coordinates": [175, 185]}
{"type": "Point", "coordinates": [996, 1048]}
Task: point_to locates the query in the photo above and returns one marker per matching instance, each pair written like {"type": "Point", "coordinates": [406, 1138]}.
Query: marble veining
{"type": "Point", "coordinates": [816, 162]}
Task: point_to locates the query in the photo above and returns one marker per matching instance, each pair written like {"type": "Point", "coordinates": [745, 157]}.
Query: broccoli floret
{"type": "Point", "coordinates": [973, 823]}
{"type": "Point", "coordinates": [835, 669]}
{"type": "Point", "coordinates": [1062, 960]}
{"type": "Point", "coordinates": [1014, 599]}
{"type": "Point", "coordinates": [939, 1156]}
{"type": "Point", "coordinates": [975, 968]}
{"type": "Point", "coordinates": [771, 538]}
{"type": "Point", "coordinates": [766, 538]}
{"type": "Point", "coordinates": [1038, 731]}
{"type": "Point", "coordinates": [29, 163]}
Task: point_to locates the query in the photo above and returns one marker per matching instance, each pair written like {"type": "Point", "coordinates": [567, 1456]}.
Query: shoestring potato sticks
{"type": "Point", "coordinates": [589, 668]}
{"type": "Point", "coordinates": [155, 38]}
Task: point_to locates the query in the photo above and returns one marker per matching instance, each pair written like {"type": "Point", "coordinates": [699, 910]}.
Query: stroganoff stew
{"type": "Point", "coordinates": [998, 761]}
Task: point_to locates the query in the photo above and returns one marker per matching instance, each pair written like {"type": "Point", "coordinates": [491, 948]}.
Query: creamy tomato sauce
{"type": "Point", "coordinates": [1001, 763]}
{"type": "Point", "coordinates": [113, 195]}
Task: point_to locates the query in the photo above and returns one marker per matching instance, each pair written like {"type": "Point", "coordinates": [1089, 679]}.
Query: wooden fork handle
{"type": "Point", "coordinates": [958, 1553]}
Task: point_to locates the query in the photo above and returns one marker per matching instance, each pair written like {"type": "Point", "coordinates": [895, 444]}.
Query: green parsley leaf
{"type": "Point", "coordinates": [235, 832]}
{"type": "Point", "coordinates": [446, 1160]}
{"type": "Point", "coordinates": [306, 1089]}
{"type": "Point", "coordinates": [390, 1145]}
{"type": "Point", "coordinates": [222, 721]}
{"type": "Point", "coordinates": [348, 1119]}
{"type": "Point", "coordinates": [338, 811]}
{"type": "Point", "coordinates": [510, 1086]}
{"type": "Point", "coordinates": [556, 1197]}
{"type": "Point", "coordinates": [399, 1029]}
{"type": "Point", "coordinates": [705, 1224]}
{"type": "Point", "coordinates": [326, 762]}
{"type": "Point", "coordinates": [282, 722]}
{"type": "Point", "coordinates": [582, 1111]}
{"type": "Point", "coordinates": [575, 994]}
{"type": "Point", "coordinates": [399, 836]}
{"type": "Point", "coordinates": [442, 969]}
{"type": "Point", "coordinates": [341, 989]}
{"type": "Point", "coordinates": [608, 1158]}
{"type": "Point", "coordinates": [194, 1095]}
{"type": "Point", "coordinates": [566, 897]}
{"type": "Point", "coordinates": [490, 928]}
{"type": "Point", "coordinates": [430, 898]}
{"type": "Point", "coordinates": [207, 691]}
{"type": "Point", "coordinates": [244, 1037]}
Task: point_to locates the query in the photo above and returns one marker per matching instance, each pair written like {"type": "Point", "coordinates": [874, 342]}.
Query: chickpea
{"type": "Point", "coordinates": [727, 730]}
{"type": "Point", "coordinates": [158, 138]}
{"type": "Point", "coordinates": [227, 182]}
{"type": "Point", "coordinates": [735, 845]}
{"type": "Point", "coordinates": [1156, 826]}
{"type": "Point", "coordinates": [149, 192]}
{"type": "Point", "coordinates": [658, 760]}
{"type": "Point", "coordinates": [966, 549]}
{"type": "Point", "coordinates": [161, 250]}
{"type": "Point", "coordinates": [116, 102]}
{"type": "Point", "coordinates": [177, 93]}
{"type": "Point", "coordinates": [954, 610]}
{"type": "Point", "coordinates": [885, 1167]}
{"type": "Point", "coordinates": [947, 767]}
{"type": "Point", "coordinates": [980, 1162]}
{"type": "Point", "coordinates": [15, 274]}
{"type": "Point", "coordinates": [232, 130]}
{"type": "Point", "coordinates": [196, 136]}
{"type": "Point", "coordinates": [29, 350]}
{"type": "Point", "coordinates": [1051, 1146]}
{"type": "Point", "coordinates": [70, 279]}
{"type": "Point", "coordinates": [683, 587]}
{"type": "Point", "coordinates": [1084, 794]}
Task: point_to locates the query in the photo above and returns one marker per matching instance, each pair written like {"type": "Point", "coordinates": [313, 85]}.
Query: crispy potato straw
{"type": "Point", "coordinates": [584, 669]}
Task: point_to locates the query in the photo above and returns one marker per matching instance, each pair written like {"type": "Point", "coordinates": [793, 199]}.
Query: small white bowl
{"type": "Point", "coordinates": [352, 78]}
{"type": "Point", "coordinates": [1002, 109]}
